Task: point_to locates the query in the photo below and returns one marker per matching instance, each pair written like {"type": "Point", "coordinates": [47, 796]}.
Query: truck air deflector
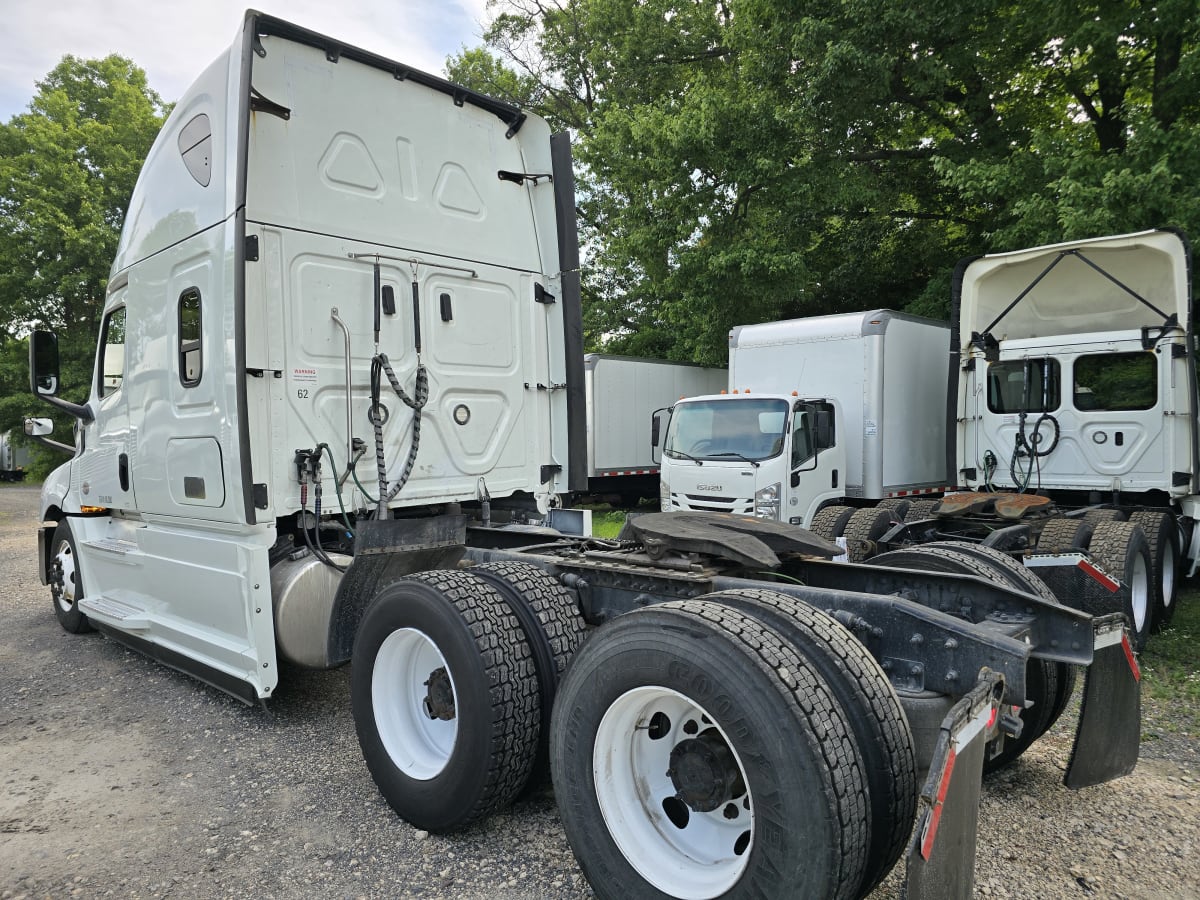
{"type": "Point", "coordinates": [572, 310]}
{"type": "Point", "coordinates": [1170, 320]}
{"type": "Point", "coordinates": [1118, 283]}
{"type": "Point", "coordinates": [335, 51]}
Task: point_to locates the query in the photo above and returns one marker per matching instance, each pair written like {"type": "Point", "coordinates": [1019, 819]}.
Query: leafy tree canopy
{"type": "Point", "coordinates": [745, 160]}
{"type": "Point", "coordinates": [67, 170]}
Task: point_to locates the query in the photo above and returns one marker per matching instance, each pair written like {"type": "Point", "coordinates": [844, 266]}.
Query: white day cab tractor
{"type": "Point", "coordinates": [339, 383]}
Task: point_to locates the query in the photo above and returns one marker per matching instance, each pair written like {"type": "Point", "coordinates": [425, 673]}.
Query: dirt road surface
{"type": "Point", "coordinates": [122, 778]}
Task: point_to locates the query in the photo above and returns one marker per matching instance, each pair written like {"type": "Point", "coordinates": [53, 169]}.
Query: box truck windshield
{"type": "Point", "coordinates": [734, 427]}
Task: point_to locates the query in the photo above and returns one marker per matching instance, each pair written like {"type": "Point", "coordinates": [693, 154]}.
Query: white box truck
{"type": "Point", "coordinates": [623, 393]}
{"type": "Point", "coordinates": [13, 459]}
{"type": "Point", "coordinates": [817, 410]}
{"type": "Point", "coordinates": [330, 255]}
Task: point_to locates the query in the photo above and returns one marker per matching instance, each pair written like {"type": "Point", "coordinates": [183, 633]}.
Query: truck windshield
{"type": "Point", "coordinates": [727, 429]}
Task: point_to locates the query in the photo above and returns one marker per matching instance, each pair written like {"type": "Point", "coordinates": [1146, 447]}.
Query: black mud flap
{"type": "Point", "coordinates": [1110, 718]}
{"type": "Point", "coordinates": [941, 854]}
{"type": "Point", "coordinates": [385, 550]}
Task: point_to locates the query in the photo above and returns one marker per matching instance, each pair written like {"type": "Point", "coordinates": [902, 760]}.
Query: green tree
{"type": "Point", "coordinates": [67, 169]}
{"type": "Point", "coordinates": [752, 159]}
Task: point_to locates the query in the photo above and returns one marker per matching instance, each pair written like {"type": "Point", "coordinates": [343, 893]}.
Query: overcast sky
{"type": "Point", "coordinates": [174, 40]}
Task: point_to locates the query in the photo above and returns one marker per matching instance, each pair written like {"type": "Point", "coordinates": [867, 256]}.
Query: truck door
{"type": "Point", "coordinates": [105, 476]}
{"type": "Point", "coordinates": [817, 465]}
{"type": "Point", "coordinates": [177, 389]}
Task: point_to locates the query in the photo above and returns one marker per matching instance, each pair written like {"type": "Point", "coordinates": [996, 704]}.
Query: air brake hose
{"type": "Point", "coordinates": [381, 365]}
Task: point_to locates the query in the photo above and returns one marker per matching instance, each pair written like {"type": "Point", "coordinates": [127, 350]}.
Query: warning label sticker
{"type": "Point", "coordinates": [304, 376]}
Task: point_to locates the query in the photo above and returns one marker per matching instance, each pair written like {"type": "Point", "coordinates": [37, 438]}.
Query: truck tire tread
{"type": "Point", "coordinates": [563, 630]}
{"type": "Point", "coordinates": [831, 521]}
{"type": "Point", "coordinates": [508, 689]}
{"type": "Point", "coordinates": [919, 510]}
{"type": "Point", "coordinates": [870, 703]}
{"type": "Point", "coordinates": [1064, 535]}
{"type": "Point", "coordinates": [672, 644]}
{"type": "Point", "coordinates": [864, 528]}
{"type": "Point", "coordinates": [1163, 537]}
{"type": "Point", "coordinates": [1117, 547]}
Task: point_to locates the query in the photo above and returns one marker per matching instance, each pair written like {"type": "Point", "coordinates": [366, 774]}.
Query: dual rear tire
{"type": "Point", "coordinates": [795, 778]}
{"type": "Point", "coordinates": [450, 688]}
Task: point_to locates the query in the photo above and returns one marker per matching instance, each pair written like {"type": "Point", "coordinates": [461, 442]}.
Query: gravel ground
{"type": "Point", "coordinates": [123, 778]}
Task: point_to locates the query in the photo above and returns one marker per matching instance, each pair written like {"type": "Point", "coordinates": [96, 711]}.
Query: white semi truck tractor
{"type": "Point", "coordinates": [339, 379]}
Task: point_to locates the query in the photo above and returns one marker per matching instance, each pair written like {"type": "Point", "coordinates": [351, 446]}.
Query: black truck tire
{"type": "Point", "coordinates": [1042, 677]}
{"type": "Point", "coordinates": [1096, 516]}
{"type": "Point", "coordinates": [1026, 580]}
{"type": "Point", "coordinates": [870, 704]}
{"type": "Point", "coordinates": [898, 505]}
{"type": "Point", "coordinates": [1122, 550]}
{"type": "Point", "coordinates": [1064, 535]}
{"type": "Point", "coordinates": [831, 521]}
{"type": "Point", "coordinates": [1165, 552]}
{"type": "Point", "coordinates": [66, 581]}
{"type": "Point", "coordinates": [920, 510]}
{"type": "Point", "coordinates": [445, 699]}
{"type": "Point", "coordinates": [865, 527]}
{"type": "Point", "coordinates": [695, 754]}
{"type": "Point", "coordinates": [554, 627]}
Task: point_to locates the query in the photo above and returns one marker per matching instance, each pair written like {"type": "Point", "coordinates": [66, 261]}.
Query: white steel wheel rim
{"type": "Point", "coordinates": [1139, 591]}
{"type": "Point", "coordinates": [697, 861]}
{"type": "Point", "coordinates": [419, 746]}
{"type": "Point", "coordinates": [1168, 574]}
{"type": "Point", "coordinates": [66, 565]}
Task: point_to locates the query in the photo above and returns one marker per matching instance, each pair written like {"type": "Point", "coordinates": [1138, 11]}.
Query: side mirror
{"type": "Point", "coordinates": [43, 380]}
{"type": "Point", "coordinates": [43, 363]}
{"type": "Point", "coordinates": [656, 425]}
{"type": "Point", "coordinates": [656, 431]}
{"type": "Point", "coordinates": [38, 427]}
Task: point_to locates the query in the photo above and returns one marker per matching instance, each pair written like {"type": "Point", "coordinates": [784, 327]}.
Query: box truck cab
{"type": "Point", "coordinates": [812, 404]}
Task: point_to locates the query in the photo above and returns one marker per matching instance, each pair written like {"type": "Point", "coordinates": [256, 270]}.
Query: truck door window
{"type": "Point", "coordinates": [812, 430]}
{"type": "Point", "coordinates": [112, 353]}
{"type": "Point", "coordinates": [190, 358]}
{"type": "Point", "coordinates": [1116, 381]}
{"type": "Point", "coordinates": [1024, 385]}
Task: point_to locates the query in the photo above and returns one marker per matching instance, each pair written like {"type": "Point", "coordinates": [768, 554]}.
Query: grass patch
{"type": "Point", "coordinates": [1170, 660]}
{"type": "Point", "coordinates": [606, 521]}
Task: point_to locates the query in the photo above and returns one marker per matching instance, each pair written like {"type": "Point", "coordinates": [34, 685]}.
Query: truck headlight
{"type": "Point", "coordinates": [766, 502]}
{"type": "Point", "coordinates": [664, 495]}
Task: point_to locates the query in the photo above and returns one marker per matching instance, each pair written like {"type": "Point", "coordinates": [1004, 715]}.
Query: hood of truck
{"type": "Point", "coordinates": [1122, 283]}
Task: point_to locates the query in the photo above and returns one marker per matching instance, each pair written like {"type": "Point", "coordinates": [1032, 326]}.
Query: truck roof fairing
{"type": "Point", "coordinates": [171, 202]}
{"type": "Point", "coordinates": [1122, 283]}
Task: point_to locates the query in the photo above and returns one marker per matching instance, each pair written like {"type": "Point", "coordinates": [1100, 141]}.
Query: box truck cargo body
{"type": "Point", "coordinates": [622, 394]}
